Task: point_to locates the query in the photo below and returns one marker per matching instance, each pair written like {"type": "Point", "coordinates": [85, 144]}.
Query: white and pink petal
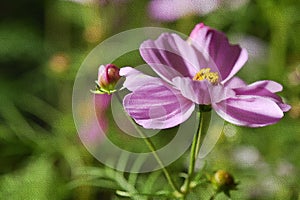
{"type": "Point", "coordinates": [272, 86]}
{"type": "Point", "coordinates": [196, 91]}
{"type": "Point", "coordinates": [228, 58]}
{"type": "Point", "coordinates": [235, 82]}
{"type": "Point", "coordinates": [136, 79]}
{"type": "Point", "coordinates": [171, 56]}
{"type": "Point", "coordinates": [264, 89]}
{"type": "Point", "coordinates": [202, 92]}
{"type": "Point", "coordinates": [156, 106]}
{"type": "Point", "coordinates": [249, 111]}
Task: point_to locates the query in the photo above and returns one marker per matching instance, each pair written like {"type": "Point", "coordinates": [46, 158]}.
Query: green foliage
{"type": "Point", "coordinates": [34, 181]}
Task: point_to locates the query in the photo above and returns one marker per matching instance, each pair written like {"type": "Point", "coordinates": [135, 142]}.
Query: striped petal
{"type": "Point", "coordinates": [158, 106]}
{"type": "Point", "coordinates": [264, 89]}
{"type": "Point", "coordinates": [228, 58]}
{"type": "Point", "coordinates": [249, 111]}
{"type": "Point", "coordinates": [196, 91]}
{"type": "Point", "coordinates": [136, 79]}
{"type": "Point", "coordinates": [171, 56]}
{"type": "Point", "coordinates": [272, 86]}
{"type": "Point", "coordinates": [202, 92]}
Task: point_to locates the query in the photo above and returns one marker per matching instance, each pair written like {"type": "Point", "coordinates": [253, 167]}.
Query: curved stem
{"type": "Point", "coordinates": [193, 155]}
{"type": "Point", "coordinates": [152, 148]}
{"type": "Point", "coordinates": [156, 156]}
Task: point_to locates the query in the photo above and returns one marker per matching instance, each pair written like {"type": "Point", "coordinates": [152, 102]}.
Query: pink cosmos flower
{"type": "Point", "coordinates": [198, 71]}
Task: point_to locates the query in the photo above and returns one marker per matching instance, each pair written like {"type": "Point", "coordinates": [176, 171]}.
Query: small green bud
{"type": "Point", "coordinates": [223, 182]}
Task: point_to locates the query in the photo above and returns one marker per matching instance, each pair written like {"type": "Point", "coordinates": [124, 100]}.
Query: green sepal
{"type": "Point", "coordinates": [97, 92]}
{"type": "Point", "coordinates": [100, 90]}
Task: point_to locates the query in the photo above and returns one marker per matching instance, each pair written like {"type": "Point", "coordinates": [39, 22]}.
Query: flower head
{"type": "Point", "coordinates": [198, 71]}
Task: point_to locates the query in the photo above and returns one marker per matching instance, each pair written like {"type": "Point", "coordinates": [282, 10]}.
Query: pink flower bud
{"type": "Point", "coordinates": [108, 76]}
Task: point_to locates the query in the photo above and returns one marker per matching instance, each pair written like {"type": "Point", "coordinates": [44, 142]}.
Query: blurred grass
{"type": "Point", "coordinates": [42, 46]}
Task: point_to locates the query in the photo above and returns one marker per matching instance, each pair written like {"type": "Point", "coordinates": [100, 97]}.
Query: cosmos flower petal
{"type": "Point", "coordinates": [284, 107]}
{"type": "Point", "coordinates": [156, 106]}
{"type": "Point", "coordinates": [241, 59]}
{"type": "Point", "coordinates": [202, 92]}
{"type": "Point", "coordinates": [219, 93]}
{"type": "Point", "coordinates": [171, 56]}
{"type": "Point", "coordinates": [136, 79]}
{"type": "Point", "coordinates": [249, 111]}
{"type": "Point", "coordinates": [228, 58]}
{"type": "Point", "coordinates": [101, 70]}
{"type": "Point", "coordinates": [235, 82]}
{"type": "Point", "coordinates": [253, 90]}
{"type": "Point", "coordinates": [272, 86]}
{"type": "Point", "coordinates": [196, 91]}
{"type": "Point", "coordinates": [261, 88]}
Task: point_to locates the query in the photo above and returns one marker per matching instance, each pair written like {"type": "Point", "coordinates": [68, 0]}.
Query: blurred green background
{"type": "Point", "coordinates": [43, 43]}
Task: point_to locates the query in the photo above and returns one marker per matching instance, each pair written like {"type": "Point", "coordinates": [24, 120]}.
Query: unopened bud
{"type": "Point", "coordinates": [108, 76]}
{"type": "Point", "coordinates": [223, 182]}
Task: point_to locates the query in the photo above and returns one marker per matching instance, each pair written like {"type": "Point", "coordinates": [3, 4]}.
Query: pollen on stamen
{"type": "Point", "coordinates": [205, 73]}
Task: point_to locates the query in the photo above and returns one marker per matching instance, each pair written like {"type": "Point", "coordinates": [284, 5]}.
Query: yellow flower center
{"type": "Point", "coordinates": [205, 73]}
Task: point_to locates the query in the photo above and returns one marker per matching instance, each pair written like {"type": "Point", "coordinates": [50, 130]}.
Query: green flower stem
{"type": "Point", "coordinates": [199, 133]}
{"type": "Point", "coordinates": [152, 148]}
{"type": "Point", "coordinates": [193, 155]}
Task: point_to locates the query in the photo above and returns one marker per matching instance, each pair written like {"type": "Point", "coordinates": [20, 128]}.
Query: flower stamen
{"type": "Point", "coordinates": [205, 73]}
